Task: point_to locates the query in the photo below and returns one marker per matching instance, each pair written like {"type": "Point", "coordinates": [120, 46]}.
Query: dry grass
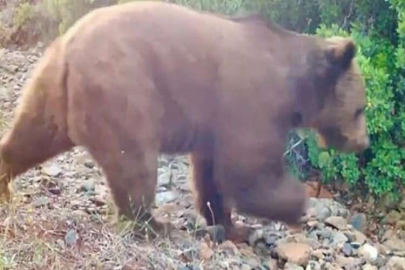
{"type": "Point", "coordinates": [43, 238]}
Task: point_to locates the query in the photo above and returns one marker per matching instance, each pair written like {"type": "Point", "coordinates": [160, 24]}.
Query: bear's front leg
{"type": "Point", "coordinates": [256, 184]}
{"type": "Point", "coordinates": [209, 199]}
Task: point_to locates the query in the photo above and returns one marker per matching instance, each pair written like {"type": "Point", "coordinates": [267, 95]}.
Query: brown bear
{"type": "Point", "coordinates": [131, 81]}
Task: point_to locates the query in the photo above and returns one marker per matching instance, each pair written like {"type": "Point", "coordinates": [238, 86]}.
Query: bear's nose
{"type": "Point", "coordinates": [362, 143]}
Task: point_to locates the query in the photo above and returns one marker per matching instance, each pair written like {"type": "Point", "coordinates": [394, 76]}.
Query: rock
{"type": "Point", "coordinates": [164, 178]}
{"type": "Point", "coordinates": [369, 267]}
{"type": "Point", "coordinates": [190, 255]}
{"type": "Point", "coordinates": [313, 236]}
{"type": "Point", "coordinates": [165, 197]}
{"type": "Point", "coordinates": [41, 201]}
{"type": "Point", "coordinates": [395, 244]}
{"type": "Point", "coordinates": [252, 261]}
{"type": "Point", "coordinates": [271, 239]}
{"type": "Point", "coordinates": [296, 253]}
{"type": "Point", "coordinates": [337, 222]}
{"type": "Point", "coordinates": [270, 264]}
{"type": "Point", "coordinates": [205, 251]}
{"type": "Point", "coordinates": [313, 265]}
{"type": "Point", "coordinates": [388, 235]}
{"type": "Point", "coordinates": [348, 262]}
{"type": "Point", "coordinates": [356, 236]}
{"type": "Point", "coordinates": [392, 217]}
{"type": "Point", "coordinates": [396, 263]}
{"type": "Point", "coordinates": [323, 213]}
{"type": "Point", "coordinates": [339, 239]}
{"type": "Point", "coordinates": [368, 252]}
{"type": "Point", "coordinates": [99, 201]}
{"type": "Point", "coordinates": [76, 203]}
{"type": "Point", "coordinates": [255, 236]}
{"type": "Point", "coordinates": [347, 249]}
{"type": "Point", "coordinates": [382, 249]}
{"type": "Point", "coordinates": [402, 206]}
{"type": "Point", "coordinates": [55, 190]}
{"type": "Point", "coordinates": [332, 266]}
{"type": "Point", "coordinates": [318, 254]}
{"type": "Point", "coordinates": [229, 248]}
{"type": "Point", "coordinates": [60, 243]}
{"type": "Point", "coordinates": [325, 233]}
{"type": "Point", "coordinates": [88, 186]}
{"type": "Point", "coordinates": [359, 222]}
{"type": "Point", "coordinates": [291, 266]}
{"type": "Point", "coordinates": [71, 238]}
{"type": "Point", "coordinates": [52, 170]}
{"type": "Point", "coordinates": [79, 213]}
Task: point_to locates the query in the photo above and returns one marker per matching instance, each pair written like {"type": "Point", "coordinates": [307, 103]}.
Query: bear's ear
{"type": "Point", "coordinates": [340, 51]}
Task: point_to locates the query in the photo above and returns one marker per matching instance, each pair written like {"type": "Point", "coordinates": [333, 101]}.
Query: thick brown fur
{"type": "Point", "coordinates": [131, 81]}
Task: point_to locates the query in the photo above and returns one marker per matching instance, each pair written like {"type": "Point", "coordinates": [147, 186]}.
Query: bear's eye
{"type": "Point", "coordinates": [359, 111]}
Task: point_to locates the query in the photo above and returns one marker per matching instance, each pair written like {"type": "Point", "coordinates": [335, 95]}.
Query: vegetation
{"type": "Point", "coordinates": [378, 27]}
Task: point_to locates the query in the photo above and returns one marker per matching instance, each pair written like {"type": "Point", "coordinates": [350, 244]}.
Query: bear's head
{"type": "Point", "coordinates": [331, 98]}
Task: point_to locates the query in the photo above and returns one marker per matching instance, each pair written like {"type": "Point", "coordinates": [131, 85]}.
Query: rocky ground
{"type": "Point", "coordinates": [61, 218]}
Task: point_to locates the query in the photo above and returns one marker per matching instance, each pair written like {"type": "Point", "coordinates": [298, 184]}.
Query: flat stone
{"type": "Point", "coordinates": [396, 263]}
{"type": "Point", "coordinates": [395, 244]}
{"type": "Point", "coordinates": [52, 170]}
{"type": "Point", "coordinates": [356, 236]}
{"type": "Point", "coordinates": [295, 253]}
{"type": "Point", "coordinates": [348, 262]}
{"type": "Point", "coordinates": [337, 222]}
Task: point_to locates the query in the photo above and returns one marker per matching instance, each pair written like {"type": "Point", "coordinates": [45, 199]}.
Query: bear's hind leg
{"type": "Point", "coordinates": [30, 142]}
{"type": "Point", "coordinates": [132, 178]}
{"type": "Point", "coordinates": [210, 202]}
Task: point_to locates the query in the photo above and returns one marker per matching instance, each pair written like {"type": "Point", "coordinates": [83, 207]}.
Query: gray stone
{"type": "Point", "coordinates": [313, 236]}
{"type": "Point", "coordinates": [347, 249]}
{"type": "Point", "coordinates": [339, 239]}
{"type": "Point", "coordinates": [359, 222]}
{"type": "Point", "coordinates": [71, 238]}
{"type": "Point", "coordinates": [324, 233]}
{"type": "Point", "coordinates": [164, 178]}
{"type": "Point", "coordinates": [165, 197]}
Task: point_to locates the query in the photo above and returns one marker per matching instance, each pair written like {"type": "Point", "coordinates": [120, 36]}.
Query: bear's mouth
{"type": "Point", "coordinates": [331, 137]}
